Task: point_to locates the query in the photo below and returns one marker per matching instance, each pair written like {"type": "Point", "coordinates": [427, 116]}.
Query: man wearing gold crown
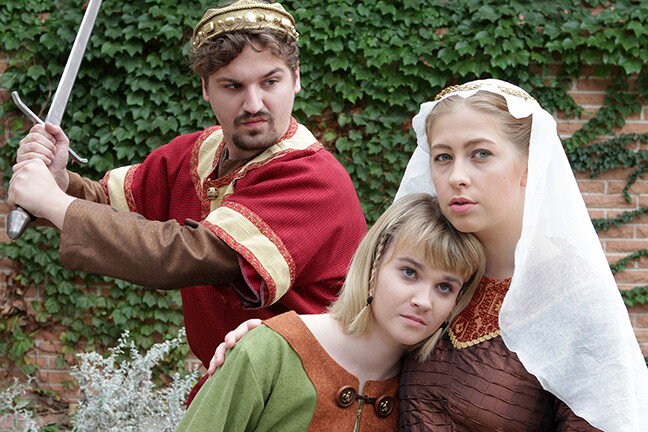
{"type": "Point", "coordinates": [246, 216]}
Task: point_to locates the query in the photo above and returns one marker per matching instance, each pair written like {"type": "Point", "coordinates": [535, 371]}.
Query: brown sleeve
{"type": "Point", "coordinates": [81, 187]}
{"type": "Point", "coordinates": [98, 239]}
{"type": "Point", "coordinates": [566, 420]}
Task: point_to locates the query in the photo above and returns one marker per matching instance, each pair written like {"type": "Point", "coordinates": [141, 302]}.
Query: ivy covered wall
{"type": "Point", "coordinates": [366, 65]}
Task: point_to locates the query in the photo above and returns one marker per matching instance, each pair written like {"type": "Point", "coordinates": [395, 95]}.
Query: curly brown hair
{"type": "Point", "coordinates": [220, 51]}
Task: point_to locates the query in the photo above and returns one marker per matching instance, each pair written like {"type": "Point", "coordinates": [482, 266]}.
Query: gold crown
{"type": "Point", "coordinates": [477, 85]}
{"type": "Point", "coordinates": [243, 15]}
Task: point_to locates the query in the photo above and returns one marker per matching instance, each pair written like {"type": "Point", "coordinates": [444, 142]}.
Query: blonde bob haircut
{"type": "Point", "coordinates": [414, 223]}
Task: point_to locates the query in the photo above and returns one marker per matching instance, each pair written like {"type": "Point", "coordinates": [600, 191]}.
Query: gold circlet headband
{"type": "Point", "coordinates": [469, 86]}
{"type": "Point", "coordinates": [243, 15]}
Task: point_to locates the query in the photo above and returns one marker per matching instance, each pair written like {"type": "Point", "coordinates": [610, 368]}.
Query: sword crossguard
{"type": "Point", "coordinates": [34, 118]}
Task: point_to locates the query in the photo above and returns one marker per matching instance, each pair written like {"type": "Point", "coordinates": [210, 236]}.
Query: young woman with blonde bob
{"type": "Point", "coordinates": [546, 343]}
{"type": "Point", "coordinates": [412, 273]}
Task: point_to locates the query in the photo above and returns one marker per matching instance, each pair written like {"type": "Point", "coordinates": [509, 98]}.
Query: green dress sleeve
{"type": "Point", "coordinates": [261, 386]}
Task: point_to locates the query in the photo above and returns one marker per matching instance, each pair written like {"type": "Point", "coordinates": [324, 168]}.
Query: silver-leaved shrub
{"type": "Point", "coordinates": [120, 395]}
{"type": "Point", "coordinates": [15, 415]}
{"type": "Point", "coordinates": [116, 395]}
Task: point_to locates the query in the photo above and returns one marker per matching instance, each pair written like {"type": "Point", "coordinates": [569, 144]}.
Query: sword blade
{"type": "Point", "coordinates": [60, 100]}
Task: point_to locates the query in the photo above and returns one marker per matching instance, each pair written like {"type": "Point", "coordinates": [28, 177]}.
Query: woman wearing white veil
{"type": "Point", "coordinates": [557, 343]}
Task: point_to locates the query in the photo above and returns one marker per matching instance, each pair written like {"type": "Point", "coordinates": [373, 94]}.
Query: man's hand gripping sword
{"type": "Point", "coordinates": [19, 219]}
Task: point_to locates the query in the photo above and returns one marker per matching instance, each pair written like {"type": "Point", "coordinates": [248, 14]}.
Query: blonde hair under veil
{"type": "Point", "coordinates": [563, 314]}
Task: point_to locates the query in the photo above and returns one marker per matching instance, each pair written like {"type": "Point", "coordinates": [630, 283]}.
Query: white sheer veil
{"type": "Point", "coordinates": [563, 314]}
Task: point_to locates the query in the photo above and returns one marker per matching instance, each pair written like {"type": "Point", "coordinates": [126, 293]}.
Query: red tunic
{"type": "Point", "coordinates": [291, 214]}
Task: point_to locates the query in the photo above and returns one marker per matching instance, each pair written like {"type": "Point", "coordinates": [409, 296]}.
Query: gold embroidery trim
{"type": "Point", "coordinates": [461, 345]}
{"type": "Point", "coordinates": [270, 260]}
{"type": "Point", "coordinates": [116, 191]}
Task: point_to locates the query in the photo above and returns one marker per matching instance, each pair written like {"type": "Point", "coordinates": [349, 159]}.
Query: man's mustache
{"type": "Point", "coordinates": [261, 115]}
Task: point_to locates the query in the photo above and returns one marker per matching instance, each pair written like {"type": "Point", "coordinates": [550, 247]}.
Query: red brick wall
{"type": "Point", "coordinates": [601, 195]}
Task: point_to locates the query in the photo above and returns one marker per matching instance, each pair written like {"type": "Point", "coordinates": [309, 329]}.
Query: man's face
{"type": "Point", "coordinates": [252, 98]}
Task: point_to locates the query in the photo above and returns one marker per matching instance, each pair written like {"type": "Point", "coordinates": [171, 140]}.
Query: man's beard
{"type": "Point", "coordinates": [250, 141]}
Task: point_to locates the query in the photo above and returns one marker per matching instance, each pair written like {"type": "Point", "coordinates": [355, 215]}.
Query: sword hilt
{"type": "Point", "coordinates": [19, 219]}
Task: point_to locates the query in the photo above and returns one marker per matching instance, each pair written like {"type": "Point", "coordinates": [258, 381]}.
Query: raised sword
{"type": "Point", "coordinates": [19, 219]}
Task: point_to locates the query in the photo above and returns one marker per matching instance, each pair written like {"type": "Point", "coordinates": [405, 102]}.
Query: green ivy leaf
{"type": "Point", "coordinates": [366, 67]}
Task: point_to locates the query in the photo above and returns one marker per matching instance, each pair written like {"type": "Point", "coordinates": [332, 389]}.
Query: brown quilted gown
{"type": "Point", "coordinates": [472, 382]}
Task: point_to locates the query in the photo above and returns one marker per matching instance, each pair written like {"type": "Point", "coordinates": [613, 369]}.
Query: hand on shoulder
{"type": "Point", "coordinates": [230, 340]}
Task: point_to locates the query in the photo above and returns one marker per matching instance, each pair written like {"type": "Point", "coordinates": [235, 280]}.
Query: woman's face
{"type": "Point", "coordinates": [478, 175]}
{"type": "Point", "coordinates": [411, 298]}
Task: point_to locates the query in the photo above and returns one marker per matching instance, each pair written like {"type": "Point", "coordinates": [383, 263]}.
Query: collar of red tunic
{"type": "Point", "coordinates": [479, 321]}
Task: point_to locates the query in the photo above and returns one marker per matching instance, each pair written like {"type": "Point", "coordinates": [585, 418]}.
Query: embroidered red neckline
{"type": "Point", "coordinates": [479, 321]}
